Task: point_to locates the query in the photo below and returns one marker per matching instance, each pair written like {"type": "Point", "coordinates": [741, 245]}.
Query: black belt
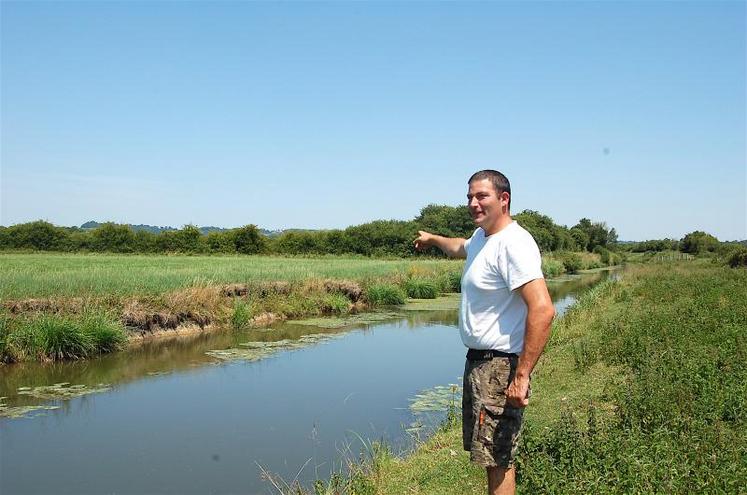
{"type": "Point", "coordinates": [485, 354]}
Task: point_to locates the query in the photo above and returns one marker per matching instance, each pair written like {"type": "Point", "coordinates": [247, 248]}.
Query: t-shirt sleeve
{"type": "Point", "coordinates": [524, 262]}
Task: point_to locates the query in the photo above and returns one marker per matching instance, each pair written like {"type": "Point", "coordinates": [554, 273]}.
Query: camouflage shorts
{"type": "Point", "coordinates": [490, 428]}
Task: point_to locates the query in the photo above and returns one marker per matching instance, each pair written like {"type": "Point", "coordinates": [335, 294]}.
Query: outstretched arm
{"type": "Point", "coordinates": [451, 246]}
{"type": "Point", "coordinates": [540, 313]}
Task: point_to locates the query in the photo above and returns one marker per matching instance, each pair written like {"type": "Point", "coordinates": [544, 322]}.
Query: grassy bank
{"type": "Point", "coordinates": [77, 306]}
{"type": "Point", "coordinates": [643, 389]}
{"type": "Point", "coordinates": [46, 300]}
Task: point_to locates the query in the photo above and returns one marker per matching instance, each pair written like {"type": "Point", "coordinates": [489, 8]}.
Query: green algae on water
{"type": "Point", "coordinates": [7, 411]}
{"type": "Point", "coordinates": [334, 322]}
{"type": "Point", "coordinates": [62, 391]}
{"type": "Point", "coordinates": [444, 303]}
{"type": "Point", "coordinates": [437, 399]}
{"type": "Point", "coordinates": [254, 351]}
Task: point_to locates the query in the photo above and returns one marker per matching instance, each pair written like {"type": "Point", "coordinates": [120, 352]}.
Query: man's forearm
{"type": "Point", "coordinates": [451, 246]}
{"type": "Point", "coordinates": [537, 333]}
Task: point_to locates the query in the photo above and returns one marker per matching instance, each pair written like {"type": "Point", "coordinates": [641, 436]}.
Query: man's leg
{"type": "Point", "coordinates": [501, 481]}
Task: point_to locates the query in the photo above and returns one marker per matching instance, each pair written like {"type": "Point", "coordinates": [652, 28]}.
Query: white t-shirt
{"type": "Point", "coordinates": [493, 314]}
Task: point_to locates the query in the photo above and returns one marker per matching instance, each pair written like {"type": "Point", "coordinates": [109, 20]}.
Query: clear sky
{"type": "Point", "coordinates": [324, 115]}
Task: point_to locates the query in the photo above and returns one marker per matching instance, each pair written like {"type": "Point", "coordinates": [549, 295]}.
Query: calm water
{"type": "Point", "coordinates": [177, 421]}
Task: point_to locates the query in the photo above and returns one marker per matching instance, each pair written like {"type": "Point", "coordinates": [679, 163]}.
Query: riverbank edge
{"type": "Point", "coordinates": [54, 329]}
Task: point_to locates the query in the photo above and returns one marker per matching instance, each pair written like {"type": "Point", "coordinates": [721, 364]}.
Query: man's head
{"type": "Point", "coordinates": [489, 200]}
{"type": "Point", "coordinates": [500, 182]}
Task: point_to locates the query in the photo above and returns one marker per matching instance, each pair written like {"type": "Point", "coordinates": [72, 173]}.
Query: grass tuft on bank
{"type": "Point", "coordinates": [46, 337]}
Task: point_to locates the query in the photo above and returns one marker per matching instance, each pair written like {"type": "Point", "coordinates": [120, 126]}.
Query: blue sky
{"type": "Point", "coordinates": [323, 115]}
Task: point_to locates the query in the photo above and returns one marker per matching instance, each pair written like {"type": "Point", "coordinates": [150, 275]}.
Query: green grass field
{"type": "Point", "coordinates": [70, 275]}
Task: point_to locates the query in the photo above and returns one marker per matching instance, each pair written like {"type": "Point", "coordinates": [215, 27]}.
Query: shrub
{"type": "Point", "coordinates": [698, 242]}
{"type": "Point", "coordinates": [604, 254]}
{"type": "Point", "coordinates": [248, 240]}
{"type": "Point", "coordinates": [738, 257]}
{"type": "Point", "coordinates": [551, 267]}
{"type": "Point", "coordinates": [384, 294]}
{"type": "Point", "coordinates": [572, 262]}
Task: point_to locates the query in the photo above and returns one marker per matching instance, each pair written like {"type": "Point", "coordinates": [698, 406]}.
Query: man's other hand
{"type": "Point", "coordinates": [517, 393]}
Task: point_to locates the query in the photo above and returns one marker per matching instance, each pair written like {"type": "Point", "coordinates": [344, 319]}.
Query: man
{"type": "Point", "coordinates": [504, 320]}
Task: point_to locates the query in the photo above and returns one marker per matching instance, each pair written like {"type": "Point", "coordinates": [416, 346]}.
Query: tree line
{"type": "Point", "coordinates": [377, 238]}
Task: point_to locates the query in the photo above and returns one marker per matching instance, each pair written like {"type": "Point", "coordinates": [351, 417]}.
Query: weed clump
{"type": "Point", "coordinates": [241, 315]}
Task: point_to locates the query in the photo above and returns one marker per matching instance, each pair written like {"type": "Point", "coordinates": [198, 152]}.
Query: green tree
{"type": "Point", "coordinates": [39, 235]}
{"type": "Point", "coordinates": [4, 238]}
{"type": "Point", "coordinates": [114, 238]}
{"type": "Point", "coordinates": [189, 239]}
{"type": "Point", "coordinates": [541, 227]}
{"type": "Point", "coordinates": [598, 233]}
{"type": "Point", "coordinates": [450, 221]}
{"type": "Point", "coordinates": [581, 237]}
{"type": "Point", "coordinates": [249, 240]}
{"type": "Point", "coordinates": [146, 242]}
{"type": "Point", "coordinates": [698, 242]}
{"type": "Point", "coordinates": [221, 242]}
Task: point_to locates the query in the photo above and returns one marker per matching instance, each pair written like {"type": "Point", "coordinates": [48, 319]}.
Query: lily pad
{"type": "Point", "coordinates": [7, 411]}
{"type": "Point", "coordinates": [254, 351]}
{"type": "Point", "coordinates": [349, 320]}
{"type": "Point", "coordinates": [444, 303]}
{"type": "Point", "coordinates": [62, 391]}
{"type": "Point", "coordinates": [159, 373]}
{"type": "Point", "coordinates": [437, 399]}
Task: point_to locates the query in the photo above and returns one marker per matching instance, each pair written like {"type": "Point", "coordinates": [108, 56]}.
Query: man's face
{"type": "Point", "coordinates": [485, 203]}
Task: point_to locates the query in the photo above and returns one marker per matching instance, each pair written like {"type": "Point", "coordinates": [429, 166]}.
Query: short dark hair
{"type": "Point", "coordinates": [500, 182]}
